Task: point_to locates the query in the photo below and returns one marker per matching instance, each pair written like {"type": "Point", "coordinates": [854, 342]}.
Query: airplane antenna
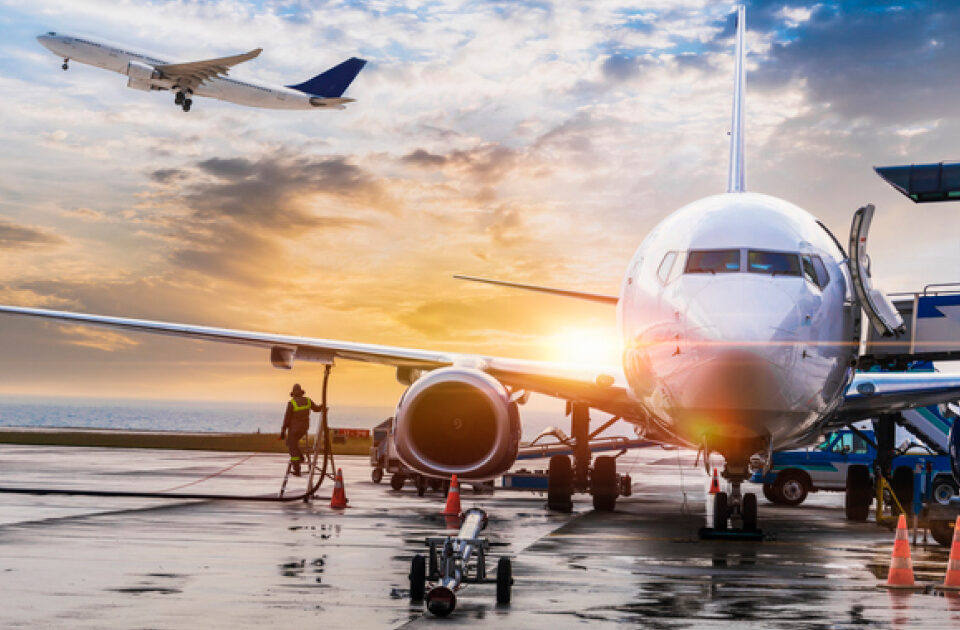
{"type": "Point", "coordinates": [737, 180]}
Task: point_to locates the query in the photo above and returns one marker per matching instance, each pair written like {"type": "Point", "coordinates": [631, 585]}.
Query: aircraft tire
{"type": "Point", "coordinates": [397, 481]}
{"type": "Point", "coordinates": [376, 475]}
{"type": "Point", "coordinates": [435, 484]}
{"type": "Point", "coordinates": [418, 578]}
{"type": "Point", "coordinates": [942, 532]}
{"type": "Point", "coordinates": [603, 484]}
{"type": "Point", "coordinates": [560, 484]}
{"type": "Point", "coordinates": [902, 484]}
{"type": "Point", "coordinates": [421, 484]}
{"type": "Point", "coordinates": [720, 511]}
{"type": "Point", "coordinates": [856, 503]}
{"type": "Point", "coordinates": [504, 580]}
{"type": "Point", "coordinates": [748, 510]}
{"type": "Point", "coordinates": [187, 103]}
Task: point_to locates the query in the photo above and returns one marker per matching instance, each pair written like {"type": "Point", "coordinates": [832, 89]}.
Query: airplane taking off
{"type": "Point", "coordinates": [741, 320]}
{"type": "Point", "coordinates": [208, 77]}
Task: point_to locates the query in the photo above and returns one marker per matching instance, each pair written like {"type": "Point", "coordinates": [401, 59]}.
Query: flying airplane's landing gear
{"type": "Point", "coordinates": [601, 479]}
{"type": "Point", "coordinates": [66, 64]}
{"type": "Point", "coordinates": [178, 99]}
{"type": "Point", "coordinates": [187, 102]}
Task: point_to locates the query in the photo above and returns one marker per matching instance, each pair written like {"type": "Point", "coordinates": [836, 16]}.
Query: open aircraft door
{"type": "Point", "coordinates": [879, 309]}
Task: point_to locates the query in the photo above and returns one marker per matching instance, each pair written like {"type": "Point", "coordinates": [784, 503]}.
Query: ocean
{"type": "Point", "coordinates": [215, 417]}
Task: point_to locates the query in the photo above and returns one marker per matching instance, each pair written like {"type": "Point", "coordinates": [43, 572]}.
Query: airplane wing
{"type": "Point", "coordinates": [592, 297]}
{"type": "Point", "coordinates": [872, 393]}
{"type": "Point", "coordinates": [193, 73]}
{"type": "Point", "coordinates": [599, 387]}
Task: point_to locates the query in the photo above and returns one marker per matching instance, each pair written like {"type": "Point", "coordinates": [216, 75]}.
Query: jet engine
{"type": "Point", "coordinates": [457, 421]}
{"type": "Point", "coordinates": [142, 76]}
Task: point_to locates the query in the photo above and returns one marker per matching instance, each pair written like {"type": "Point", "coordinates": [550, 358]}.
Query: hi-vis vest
{"type": "Point", "coordinates": [301, 413]}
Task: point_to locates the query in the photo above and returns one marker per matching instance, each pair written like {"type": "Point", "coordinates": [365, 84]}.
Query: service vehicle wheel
{"type": "Point", "coordinates": [748, 510]}
{"type": "Point", "coordinates": [770, 494]}
{"type": "Point", "coordinates": [435, 483]}
{"type": "Point", "coordinates": [397, 481]}
{"type": "Point", "coordinates": [421, 484]}
{"type": "Point", "coordinates": [560, 484]}
{"type": "Point", "coordinates": [418, 577]}
{"type": "Point", "coordinates": [942, 532]}
{"type": "Point", "coordinates": [504, 580]}
{"type": "Point", "coordinates": [943, 490]}
{"type": "Point", "coordinates": [859, 494]}
{"type": "Point", "coordinates": [720, 511]}
{"type": "Point", "coordinates": [376, 475]}
{"type": "Point", "coordinates": [603, 484]}
{"type": "Point", "coordinates": [791, 488]}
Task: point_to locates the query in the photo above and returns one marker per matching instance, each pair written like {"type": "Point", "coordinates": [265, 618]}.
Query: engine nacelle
{"type": "Point", "coordinates": [457, 421]}
{"type": "Point", "coordinates": [142, 76]}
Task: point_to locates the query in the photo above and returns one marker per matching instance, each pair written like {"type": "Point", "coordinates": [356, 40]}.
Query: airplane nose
{"type": "Point", "coordinates": [742, 336]}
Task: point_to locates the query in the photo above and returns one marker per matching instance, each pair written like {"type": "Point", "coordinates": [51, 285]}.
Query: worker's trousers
{"type": "Point", "coordinates": [294, 435]}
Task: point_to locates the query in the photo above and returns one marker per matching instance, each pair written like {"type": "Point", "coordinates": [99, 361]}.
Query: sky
{"type": "Point", "coordinates": [531, 141]}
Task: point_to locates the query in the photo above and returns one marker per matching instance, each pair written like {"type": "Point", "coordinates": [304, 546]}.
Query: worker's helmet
{"type": "Point", "coordinates": [297, 390]}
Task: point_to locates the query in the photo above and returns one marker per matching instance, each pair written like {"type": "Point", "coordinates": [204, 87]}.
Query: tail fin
{"type": "Point", "coordinates": [737, 179]}
{"type": "Point", "coordinates": [333, 82]}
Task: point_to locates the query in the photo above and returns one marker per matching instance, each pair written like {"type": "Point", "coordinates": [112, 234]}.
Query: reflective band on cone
{"type": "Point", "coordinates": [715, 483]}
{"type": "Point", "coordinates": [951, 582]}
{"type": "Point", "coordinates": [339, 498]}
{"type": "Point", "coordinates": [901, 568]}
{"type": "Point", "coordinates": [452, 507]}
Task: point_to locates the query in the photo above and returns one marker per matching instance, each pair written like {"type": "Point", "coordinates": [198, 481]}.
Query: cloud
{"type": "Point", "coordinates": [16, 236]}
{"type": "Point", "coordinates": [97, 338]}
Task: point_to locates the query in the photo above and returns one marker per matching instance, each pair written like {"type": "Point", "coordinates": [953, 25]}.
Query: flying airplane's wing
{"type": "Point", "coordinates": [194, 73]}
{"type": "Point", "coordinates": [601, 388]}
{"type": "Point", "coordinates": [872, 393]}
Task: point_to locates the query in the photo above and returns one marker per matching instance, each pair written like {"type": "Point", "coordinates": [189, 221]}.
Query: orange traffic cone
{"type": "Point", "coordinates": [715, 484]}
{"type": "Point", "coordinates": [901, 568]}
{"type": "Point", "coordinates": [339, 498]}
{"type": "Point", "coordinates": [453, 499]}
{"type": "Point", "coordinates": [952, 581]}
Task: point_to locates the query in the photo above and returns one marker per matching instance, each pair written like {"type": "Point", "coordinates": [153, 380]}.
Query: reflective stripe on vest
{"type": "Point", "coordinates": [293, 403]}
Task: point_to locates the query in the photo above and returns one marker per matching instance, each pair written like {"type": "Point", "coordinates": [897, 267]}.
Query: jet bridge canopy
{"type": "Point", "coordinates": [924, 183]}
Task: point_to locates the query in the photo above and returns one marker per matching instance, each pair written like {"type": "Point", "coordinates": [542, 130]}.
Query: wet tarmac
{"type": "Point", "coordinates": [95, 562]}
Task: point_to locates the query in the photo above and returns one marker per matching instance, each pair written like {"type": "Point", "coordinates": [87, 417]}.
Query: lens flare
{"type": "Point", "coordinates": [585, 346]}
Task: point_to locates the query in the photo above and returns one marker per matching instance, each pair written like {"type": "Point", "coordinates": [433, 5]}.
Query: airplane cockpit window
{"type": "Point", "coordinates": [663, 272]}
{"type": "Point", "coordinates": [713, 261]}
{"type": "Point", "coordinates": [815, 271]}
{"type": "Point", "coordinates": [773, 263]}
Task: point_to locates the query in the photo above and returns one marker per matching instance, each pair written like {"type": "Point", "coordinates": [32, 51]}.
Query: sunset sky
{"type": "Point", "coordinates": [532, 141]}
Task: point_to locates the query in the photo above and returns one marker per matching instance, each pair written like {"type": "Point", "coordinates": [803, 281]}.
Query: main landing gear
{"type": "Point", "coordinates": [600, 480]}
{"type": "Point", "coordinates": [66, 64]}
{"type": "Point", "coordinates": [183, 99]}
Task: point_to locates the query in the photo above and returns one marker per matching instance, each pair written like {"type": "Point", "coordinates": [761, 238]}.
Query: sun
{"type": "Point", "coordinates": [585, 346]}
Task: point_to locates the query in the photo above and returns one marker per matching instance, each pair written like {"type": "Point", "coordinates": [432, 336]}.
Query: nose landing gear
{"type": "Point", "coordinates": [734, 515]}
{"type": "Point", "coordinates": [66, 64]}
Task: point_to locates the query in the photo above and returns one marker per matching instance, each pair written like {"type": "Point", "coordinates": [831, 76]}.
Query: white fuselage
{"type": "Point", "coordinates": [112, 57]}
{"type": "Point", "coordinates": [718, 347]}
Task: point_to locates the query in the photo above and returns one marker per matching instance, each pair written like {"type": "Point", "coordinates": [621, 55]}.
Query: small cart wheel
{"type": "Point", "coordinates": [397, 481]}
{"type": "Point", "coordinates": [418, 578]}
{"type": "Point", "coordinates": [504, 580]}
{"type": "Point", "coordinates": [376, 475]}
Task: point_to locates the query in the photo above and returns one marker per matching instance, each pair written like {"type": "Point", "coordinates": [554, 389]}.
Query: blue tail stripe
{"type": "Point", "coordinates": [333, 82]}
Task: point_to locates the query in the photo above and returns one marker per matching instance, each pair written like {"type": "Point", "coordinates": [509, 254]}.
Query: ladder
{"type": "Point", "coordinates": [927, 424]}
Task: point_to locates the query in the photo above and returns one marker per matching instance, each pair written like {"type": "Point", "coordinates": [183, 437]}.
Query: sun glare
{"type": "Point", "coordinates": [587, 346]}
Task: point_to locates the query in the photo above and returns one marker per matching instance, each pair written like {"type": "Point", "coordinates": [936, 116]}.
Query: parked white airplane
{"type": "Point", "coordinates": [206, 78]}
{"type": "Point", "coordinates": [740, 315]}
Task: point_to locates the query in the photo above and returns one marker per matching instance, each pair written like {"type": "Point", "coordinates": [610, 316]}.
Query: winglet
{"type": "Point", "coordinates": [333, 82]}
{"type": "Point", "coordinates": [737, 180]}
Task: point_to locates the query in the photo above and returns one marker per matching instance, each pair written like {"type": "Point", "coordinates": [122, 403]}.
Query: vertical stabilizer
{"type": "Point", "coordinates": [737, 179]}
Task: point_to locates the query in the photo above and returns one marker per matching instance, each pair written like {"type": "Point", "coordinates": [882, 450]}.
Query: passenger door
{"type": "Point", "coordinates": [879, 309]}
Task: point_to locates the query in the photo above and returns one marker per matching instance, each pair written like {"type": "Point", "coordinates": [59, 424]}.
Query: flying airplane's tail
{"type": "Point", "coordinates": [737, 181]}
{"type": "Point", "coordinates": [333, 82]}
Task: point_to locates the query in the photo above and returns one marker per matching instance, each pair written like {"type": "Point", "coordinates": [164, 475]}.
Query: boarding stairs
{"type": "Point", "coordinates": [929, 426]}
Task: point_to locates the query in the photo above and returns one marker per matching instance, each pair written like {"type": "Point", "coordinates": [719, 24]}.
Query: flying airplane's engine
{"type": "Point", "coordinates": [457, 421]}
{"type": "Point", "coordinates": [142, 76]}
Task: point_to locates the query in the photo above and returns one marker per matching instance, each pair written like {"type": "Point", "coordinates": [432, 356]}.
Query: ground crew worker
{"type": "Point", "coordinates": [296, 423]}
